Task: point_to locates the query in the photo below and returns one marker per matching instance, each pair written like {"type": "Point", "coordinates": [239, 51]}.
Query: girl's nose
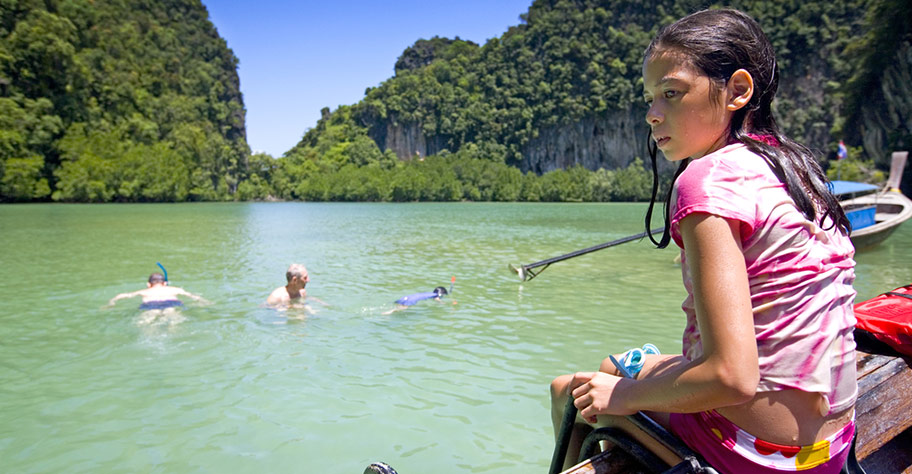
{"type": "Point", "coordinates": [653, 117]}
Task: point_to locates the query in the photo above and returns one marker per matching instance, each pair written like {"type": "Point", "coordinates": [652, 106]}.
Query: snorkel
{"type": "Point", "coordinates": [164, 272]}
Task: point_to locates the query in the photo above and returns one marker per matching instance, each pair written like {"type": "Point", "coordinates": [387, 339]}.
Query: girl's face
{"type": "Point", "coordinates": [688, 116]}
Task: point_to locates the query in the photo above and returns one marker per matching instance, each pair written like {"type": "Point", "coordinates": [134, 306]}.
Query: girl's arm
{"type": "Point", "coordinates": [728, 372]}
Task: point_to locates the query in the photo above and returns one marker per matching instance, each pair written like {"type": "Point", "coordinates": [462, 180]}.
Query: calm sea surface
{"type": "Point", "coordinates": [453, 387]}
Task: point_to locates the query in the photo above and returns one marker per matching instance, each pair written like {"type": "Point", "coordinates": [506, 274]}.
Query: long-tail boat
{"type": "Point", "coordinates": [875, 214]}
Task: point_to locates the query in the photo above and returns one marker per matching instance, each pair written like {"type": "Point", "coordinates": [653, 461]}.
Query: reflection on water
{"type": "Point", "coordinates": [239, 387]}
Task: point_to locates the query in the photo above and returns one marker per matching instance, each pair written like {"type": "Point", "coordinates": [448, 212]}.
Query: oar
{"type": "Point", "coordinates": [525, 271]}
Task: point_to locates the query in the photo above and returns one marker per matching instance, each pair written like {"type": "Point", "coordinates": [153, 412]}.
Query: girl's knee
{"type": "Point", "coordinates": [608, 367]}
{"type": "Point", "coordinates": [559, 386]}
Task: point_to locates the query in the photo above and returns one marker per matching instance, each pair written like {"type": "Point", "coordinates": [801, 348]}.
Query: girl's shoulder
{"type": "Point", "coordinates": [732, 163]}
{"type": "Point", "coordinates": [735, 157]}
{"type": "Point", "coordinates": [725, 183]}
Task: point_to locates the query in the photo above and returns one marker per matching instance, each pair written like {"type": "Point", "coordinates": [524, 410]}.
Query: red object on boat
{"type": "Point", "coordinates": [889, 318]}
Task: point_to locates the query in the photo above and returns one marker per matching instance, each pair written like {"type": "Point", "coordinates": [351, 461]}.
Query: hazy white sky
{"type": "Point", "coordinates": [297, 57]}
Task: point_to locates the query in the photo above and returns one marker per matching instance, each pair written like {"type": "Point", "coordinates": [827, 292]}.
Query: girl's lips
{"type": "Point", "coordinates": [661, 141]}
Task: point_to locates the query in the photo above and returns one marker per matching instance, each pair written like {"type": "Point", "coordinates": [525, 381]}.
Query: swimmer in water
{"type": "Point", "coordinates": [294, 291]}
{"type": "Point", "coordinates": [158, 295]}
{"type": "Point", "coordinates": [406, 301]}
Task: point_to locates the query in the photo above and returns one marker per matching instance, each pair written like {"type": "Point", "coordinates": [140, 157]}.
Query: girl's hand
{"type": "Point", "coordinates": [594, 394]}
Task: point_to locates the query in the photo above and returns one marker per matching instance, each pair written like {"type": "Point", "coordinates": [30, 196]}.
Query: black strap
{"type": "Point", "coordinates": [904, 295]}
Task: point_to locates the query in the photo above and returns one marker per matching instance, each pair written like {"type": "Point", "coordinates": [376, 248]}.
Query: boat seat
{"type": "Point", "coordinates": [638, 459]}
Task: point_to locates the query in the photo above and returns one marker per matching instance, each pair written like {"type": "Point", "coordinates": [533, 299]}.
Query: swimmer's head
{"type": "Point", "coordinates": [297, 270]}
{"type": "Point", "coordinates": [156, 278]}
{"type": "Point", "coordinates": [440, 291]}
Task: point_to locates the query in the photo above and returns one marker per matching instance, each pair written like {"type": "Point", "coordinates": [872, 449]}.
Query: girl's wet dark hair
{"type": "Point", "coordinates": [718, 43]}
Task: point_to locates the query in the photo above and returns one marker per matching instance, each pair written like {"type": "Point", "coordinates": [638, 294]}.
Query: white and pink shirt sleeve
{"type": "Point", "coordinates": [800, 275]}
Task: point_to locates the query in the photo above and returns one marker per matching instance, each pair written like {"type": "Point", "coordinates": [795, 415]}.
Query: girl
{"type": "Point", "coordinates": [766, 382]}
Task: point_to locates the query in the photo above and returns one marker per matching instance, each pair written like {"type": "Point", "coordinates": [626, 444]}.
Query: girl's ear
{"type": "Point", "coordinates": [740, 89]}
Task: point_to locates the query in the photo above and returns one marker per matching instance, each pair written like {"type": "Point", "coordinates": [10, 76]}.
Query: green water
{"type": "Point", "coordinates": [236, 387]}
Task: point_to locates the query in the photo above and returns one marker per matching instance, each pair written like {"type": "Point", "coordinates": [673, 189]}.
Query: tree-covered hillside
{"type": "Point", "coordinates": [117, 100]}
{"type": "Point", "coordinates": [562, 88]}
{"type": "Point", "coordinates": [138, 100]}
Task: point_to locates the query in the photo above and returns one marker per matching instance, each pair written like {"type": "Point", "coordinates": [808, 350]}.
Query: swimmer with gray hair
{"type": "Point", "coordinates": [294, 291]}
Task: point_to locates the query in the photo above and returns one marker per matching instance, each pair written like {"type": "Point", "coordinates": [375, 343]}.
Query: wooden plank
{"type": "Point", "coordinates": [892, 458]}
{"type": "Point", "coordinates": [866, 363]}
{"type": "Point", "coordinates": [884, 407]}
{"type": "Point", "coordinates": [875, 369]}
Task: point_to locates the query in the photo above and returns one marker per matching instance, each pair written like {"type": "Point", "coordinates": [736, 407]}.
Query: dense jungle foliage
{"type": "Point", "coordinates": [111, 100]}
{"type": "Point", "coordinates": [117, 100]}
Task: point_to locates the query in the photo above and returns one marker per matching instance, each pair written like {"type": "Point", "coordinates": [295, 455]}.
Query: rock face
{"type": "Point", "coordinates": [602, 142]}
{"type": "Point", "coordinates": [886, 124]}
{"type": "Point", "coordinates": [407, 140]}
{"type": "Point", "coordinates": [608, 142]}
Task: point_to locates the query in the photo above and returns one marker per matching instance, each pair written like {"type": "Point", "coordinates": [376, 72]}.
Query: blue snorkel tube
{"type": "Point", "coordinates": [164, 272]}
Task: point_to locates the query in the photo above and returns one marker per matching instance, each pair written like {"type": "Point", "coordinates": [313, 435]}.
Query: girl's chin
{"type": "Point", "coordinates": [672, 156]}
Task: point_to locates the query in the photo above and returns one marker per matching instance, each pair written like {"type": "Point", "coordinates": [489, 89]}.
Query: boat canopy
{"type": "Point", "coordinates": [851, 187]}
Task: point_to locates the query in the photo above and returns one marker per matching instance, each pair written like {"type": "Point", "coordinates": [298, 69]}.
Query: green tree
{"type": "Point", "coordinates": [633, 183]}
{"type": "Point", "coordinates": [22, 179]}
{"type": "Point", "coordinates": [156, 82]}
{"type": "Point", "coordinates": [601, 184]}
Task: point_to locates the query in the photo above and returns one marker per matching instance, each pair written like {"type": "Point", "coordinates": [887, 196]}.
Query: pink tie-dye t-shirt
{"type": "Point", "coordinates": [800, 275]}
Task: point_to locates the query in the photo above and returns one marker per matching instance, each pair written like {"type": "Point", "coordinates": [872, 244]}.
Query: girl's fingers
{"type": "Point", "coordinates": [585, 411]}
{"type": "Point", "coordinates": [583, 403]}
{"type": "Point", "coordinates": [579, 379]}
{"type": "Point", "coordinates": [579, 391]}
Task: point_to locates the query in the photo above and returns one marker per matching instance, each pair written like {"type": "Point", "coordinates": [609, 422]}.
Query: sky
{"type": "Point", "coordinates": [297, 57]}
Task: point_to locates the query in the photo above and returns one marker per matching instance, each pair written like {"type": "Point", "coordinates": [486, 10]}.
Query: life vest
{"type": "Point", "coordinates": [888, 317]}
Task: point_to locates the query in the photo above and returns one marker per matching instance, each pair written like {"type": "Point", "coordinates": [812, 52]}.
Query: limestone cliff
{"type": "Point", "coordinates": [605, 142]}
{"type": "Point", "coordinates": [886, 119]}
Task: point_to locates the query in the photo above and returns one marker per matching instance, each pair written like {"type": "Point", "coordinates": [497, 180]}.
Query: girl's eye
{"type": "Point", "coordinates": [669, 94]}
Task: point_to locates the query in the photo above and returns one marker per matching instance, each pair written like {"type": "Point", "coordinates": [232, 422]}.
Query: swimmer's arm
{"type": "Point", "coordinates": [121, 296]}
{"type": "Point", "coordinates": [728, 372]}
{"type": "Point", "coordinates": [318, 300]}
{"type": "Point", "coordinates": [195, 297]}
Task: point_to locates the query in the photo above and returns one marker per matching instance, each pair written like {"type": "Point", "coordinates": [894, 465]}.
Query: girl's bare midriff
{"type": "Point", "coordinates": [789, 417]}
